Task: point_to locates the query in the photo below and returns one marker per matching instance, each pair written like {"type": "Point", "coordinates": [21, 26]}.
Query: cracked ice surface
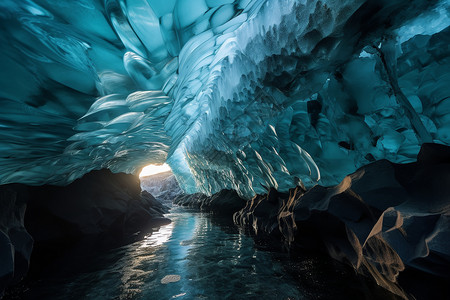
{"type": "Point", "coordinates": [233, 94]}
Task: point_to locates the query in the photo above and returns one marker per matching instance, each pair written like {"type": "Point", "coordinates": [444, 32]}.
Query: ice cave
{"type": "Point", "coordinates": [303, 149]}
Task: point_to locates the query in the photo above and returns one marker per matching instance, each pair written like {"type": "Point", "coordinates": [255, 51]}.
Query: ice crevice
{"type": "Point", "coordinates": [242, 95]}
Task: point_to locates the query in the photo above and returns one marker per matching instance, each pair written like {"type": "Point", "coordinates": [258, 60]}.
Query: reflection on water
{"type": "Point", "coordinates": [198, 256]}
{"type": "Point", "coordinates": [191, 258]}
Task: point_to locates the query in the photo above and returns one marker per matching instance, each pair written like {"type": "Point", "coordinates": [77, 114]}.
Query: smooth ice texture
{"type": "Point", "coordinates": [232, 94]}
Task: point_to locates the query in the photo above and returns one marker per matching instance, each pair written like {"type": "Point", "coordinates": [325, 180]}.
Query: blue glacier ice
{"type": "Point", "coordinates": [242, 95]}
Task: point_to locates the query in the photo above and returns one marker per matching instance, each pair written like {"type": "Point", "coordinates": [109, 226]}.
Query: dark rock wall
{"type": "Point", "coordinates": [16, 243]}
{"type": "Point", "coordinates": [225, 202]}
{"type": "Point", "coordinates": [380, 219]}
{"type": "Point", "coordinates": [99, 202]}
{"type": "Point", "coordinates": [96, 212]}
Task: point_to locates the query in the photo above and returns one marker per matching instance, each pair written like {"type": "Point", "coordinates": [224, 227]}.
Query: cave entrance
{"type": "Point", "coordinates": [159, 181]}
{"type": "Point", "coordinates": [154, 169]}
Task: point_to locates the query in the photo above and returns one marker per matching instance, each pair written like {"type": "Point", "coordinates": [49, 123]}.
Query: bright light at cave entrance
{"type": "Point", "coordinates": [154, 169]}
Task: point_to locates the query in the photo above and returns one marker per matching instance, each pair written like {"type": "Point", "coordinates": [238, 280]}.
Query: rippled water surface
{"type": "Point", "coordinates": [191, 258]}
{"type": "Point", "coordinates": [197, 256]}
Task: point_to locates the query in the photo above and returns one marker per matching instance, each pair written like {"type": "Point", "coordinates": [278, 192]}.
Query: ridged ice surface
{"type": "Point", "coordinates": [233, 94]}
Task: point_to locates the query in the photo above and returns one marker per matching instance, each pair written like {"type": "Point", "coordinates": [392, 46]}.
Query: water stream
{"type": "Point", "coordinates": [197, 256]}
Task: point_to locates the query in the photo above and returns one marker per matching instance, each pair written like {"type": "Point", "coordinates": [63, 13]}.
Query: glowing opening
{"type": "Point", "coordinates": [154, 169]}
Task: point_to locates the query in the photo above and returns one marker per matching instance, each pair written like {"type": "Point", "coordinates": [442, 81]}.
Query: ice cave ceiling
{"type": "Point", "coordinates": [233, 94]}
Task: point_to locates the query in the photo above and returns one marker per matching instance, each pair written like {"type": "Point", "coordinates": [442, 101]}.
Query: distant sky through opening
{"type": "Point", "coordinates": [154, 169]}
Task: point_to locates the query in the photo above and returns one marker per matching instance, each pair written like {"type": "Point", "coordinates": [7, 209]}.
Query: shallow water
{"type": "Point", "coordinates": [197, 256]}
{"type": "Point", "coordinates": [191, 258]}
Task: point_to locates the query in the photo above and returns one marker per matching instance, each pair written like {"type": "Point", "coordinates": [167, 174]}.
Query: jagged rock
{"type": "Point", "coordinates": [381, 218]}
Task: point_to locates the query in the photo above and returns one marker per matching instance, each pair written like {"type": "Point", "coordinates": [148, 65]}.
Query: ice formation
{"type": "Point", "coordinates": [232, 94]}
